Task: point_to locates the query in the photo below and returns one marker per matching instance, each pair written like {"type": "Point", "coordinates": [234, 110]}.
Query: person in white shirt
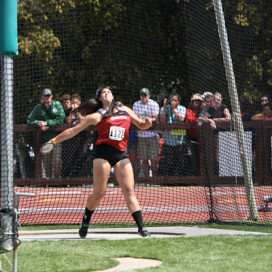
{"type": "Point", "coordinates": [148, 141]}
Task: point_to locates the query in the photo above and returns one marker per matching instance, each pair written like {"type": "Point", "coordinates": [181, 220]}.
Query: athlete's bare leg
{"type": "Point", "coordinates": [124, 174]}
{"type": "Point", "coordinates": [101, 172]}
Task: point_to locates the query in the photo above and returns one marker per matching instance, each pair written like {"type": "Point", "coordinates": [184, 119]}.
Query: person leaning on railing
{"type": "Point", "coordinates": [45, 115]}
{"type": "Point", "coordinates": [215, 112]}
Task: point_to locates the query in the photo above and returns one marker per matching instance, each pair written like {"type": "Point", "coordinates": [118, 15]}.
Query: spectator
{"type": "Point", "coordinates": [192, 115]}
{"type": "Point", "coordinates": [75, 150]}
{"type": "Point", "coordinates": [148, 141]}
{"type": "Point", "coordinates": [264, 100]}
{"type": "Point", "coordinates": [65, 101]}
{"type": "Point", "coordinates": [173, 148]}
{"type": "Point", "coordinates": [132, 146]}
{"type": "Point", "coordinates": [218, 111]}
{"type": "Point", "coordinates": [206, 105]}
{"type": "Point", "coordinates": [245, 109]}
{"type": "Point", "coordinates": [45, 115]}
{"type": "Point", "coordinates": [206, 96]}
{"type": "Point", "coordinates": [265, 114]}
{"type": "Point", "coordinates": [132, 150]}
{"type": "Point", "coordinates": [74, 118]}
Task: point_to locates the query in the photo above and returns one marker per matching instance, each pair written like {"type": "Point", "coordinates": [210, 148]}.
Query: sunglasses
{"type": "Point", "coordinates": [143, 94]}
{"type": "Point", "coordinates": [216, 99]}
{"type": "Point", "coordinates": [263, 100]}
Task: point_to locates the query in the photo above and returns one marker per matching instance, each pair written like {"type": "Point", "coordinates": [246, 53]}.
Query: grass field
{"type": "Point", "coordinates": [207, 253]}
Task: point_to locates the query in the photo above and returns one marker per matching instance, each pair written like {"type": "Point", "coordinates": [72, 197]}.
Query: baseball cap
{"type": "Point", "coordinates": [46, 92]}
{"type": "Point", "coordinates": [144, 90]}
{"type": "Point", "coordinates": [196, 96]}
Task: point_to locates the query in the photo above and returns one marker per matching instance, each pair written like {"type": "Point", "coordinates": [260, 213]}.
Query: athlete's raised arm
{"type": "Point", "coordinates": [89, 120]}
{"type": "Point", "coordinates": [138, 122]}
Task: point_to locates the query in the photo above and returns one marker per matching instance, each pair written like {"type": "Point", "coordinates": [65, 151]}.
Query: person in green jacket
{"type": "Point", "coordinates": [47, 115]}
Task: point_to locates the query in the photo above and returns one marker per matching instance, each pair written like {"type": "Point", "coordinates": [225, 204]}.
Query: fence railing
{"type": "Point", "coordinates": [261, 152]}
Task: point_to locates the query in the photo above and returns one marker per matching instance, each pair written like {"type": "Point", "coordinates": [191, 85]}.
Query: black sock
{"type": "Point", "coordinates": [87, 216]}
{"type": "Point", "coordinates": [138, 219]}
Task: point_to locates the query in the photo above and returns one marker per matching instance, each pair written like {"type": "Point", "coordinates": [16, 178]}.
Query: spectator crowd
{"type": "Point", "coordinates": [163, 152]}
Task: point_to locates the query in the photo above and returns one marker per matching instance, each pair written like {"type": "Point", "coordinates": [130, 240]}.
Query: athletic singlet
{"type": "Point", "coordinates": [114, 130]}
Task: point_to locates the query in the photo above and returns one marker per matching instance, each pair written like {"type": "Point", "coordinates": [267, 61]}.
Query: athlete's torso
{"type": "Point", "coordinates": [114, 130]}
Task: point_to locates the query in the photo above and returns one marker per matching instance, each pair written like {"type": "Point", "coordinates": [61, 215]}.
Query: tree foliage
{"type": "Point", "coordinates": [74, 46]}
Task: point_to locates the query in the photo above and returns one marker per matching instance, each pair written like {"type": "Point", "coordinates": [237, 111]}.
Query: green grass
{"type": "Point", "coordinates": [207, 253]}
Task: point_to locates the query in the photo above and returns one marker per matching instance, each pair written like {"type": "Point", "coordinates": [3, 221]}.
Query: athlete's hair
{"type": "Point", "coordinates": [94, 104]}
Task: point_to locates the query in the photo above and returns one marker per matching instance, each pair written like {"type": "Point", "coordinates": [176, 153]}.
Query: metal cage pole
{"type": "Point", "coordinates": [7, 186]}
{"type": "Point", "coordinates": [237, 120]}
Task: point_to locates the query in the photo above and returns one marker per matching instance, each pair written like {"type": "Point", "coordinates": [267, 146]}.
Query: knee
{"type": "Point", "coordinates": [128, 191]}
{"type": "Point", "coordinates": [98, 195]}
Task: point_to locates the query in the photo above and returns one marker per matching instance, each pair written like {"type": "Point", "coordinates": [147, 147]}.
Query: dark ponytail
{"type": "Point", "coordinates": [89, 107]}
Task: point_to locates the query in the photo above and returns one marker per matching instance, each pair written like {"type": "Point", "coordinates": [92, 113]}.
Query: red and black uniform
{"type": "Point", "coordinates": [113, 136]}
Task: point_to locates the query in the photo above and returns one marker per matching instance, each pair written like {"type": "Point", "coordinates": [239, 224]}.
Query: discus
{"type": "Point", "coordinates": [46, 148]}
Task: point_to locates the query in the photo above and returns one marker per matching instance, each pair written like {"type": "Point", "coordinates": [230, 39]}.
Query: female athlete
{"type": "Point", "coordinates": [113, 124]}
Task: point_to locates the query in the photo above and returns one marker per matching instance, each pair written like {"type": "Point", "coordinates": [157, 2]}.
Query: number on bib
{"type": "Point", "coordinates": [117, 133]}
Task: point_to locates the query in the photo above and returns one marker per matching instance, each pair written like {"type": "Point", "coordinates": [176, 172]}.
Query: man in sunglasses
{"type": "Point", "coordinates": [264, 100]}
{"type": "Point", "coordinates": [148, 141]}
{"type": "Point", "coordinates": [45, 115]}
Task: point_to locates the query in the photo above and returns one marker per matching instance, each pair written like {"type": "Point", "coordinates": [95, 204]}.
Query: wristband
{"type": "Point", "coordinates": [54, 140]}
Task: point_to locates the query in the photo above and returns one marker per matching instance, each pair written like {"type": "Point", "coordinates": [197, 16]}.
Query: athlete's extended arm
{"type": "Point", "coordinates": [89, 120]}
{"type": "Point", "coordinates": [138, 122]}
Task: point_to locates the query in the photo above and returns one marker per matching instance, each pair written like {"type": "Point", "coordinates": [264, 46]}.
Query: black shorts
{"type": "Point", "coordinates": [109, 153]}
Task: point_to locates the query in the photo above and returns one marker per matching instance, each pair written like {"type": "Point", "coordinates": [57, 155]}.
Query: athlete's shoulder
{"type": "Point", "coordinates": [93, 118]}
{"type": "Point", "coordinates": [125, 109]}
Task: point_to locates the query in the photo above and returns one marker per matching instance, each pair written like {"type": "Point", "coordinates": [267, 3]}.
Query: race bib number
{"type": "Point", "coordinates": [117, 133]}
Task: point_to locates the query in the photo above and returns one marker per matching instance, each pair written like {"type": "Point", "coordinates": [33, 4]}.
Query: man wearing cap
{"type": "Point", "coordinates": [148, 141]}
{"type": "Point", "coordinates": [45, 115]}
{"type": "Point", "coordinates": [172, 112]}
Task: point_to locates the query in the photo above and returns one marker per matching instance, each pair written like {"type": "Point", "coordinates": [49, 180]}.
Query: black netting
{"type": "Point", "coordinates": [186, 171]}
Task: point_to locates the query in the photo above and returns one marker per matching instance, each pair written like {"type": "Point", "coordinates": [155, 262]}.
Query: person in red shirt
{"type": "Point", "coordinates": [192, 115]}
{"type": "Point", "coordinates": [113, 124]}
